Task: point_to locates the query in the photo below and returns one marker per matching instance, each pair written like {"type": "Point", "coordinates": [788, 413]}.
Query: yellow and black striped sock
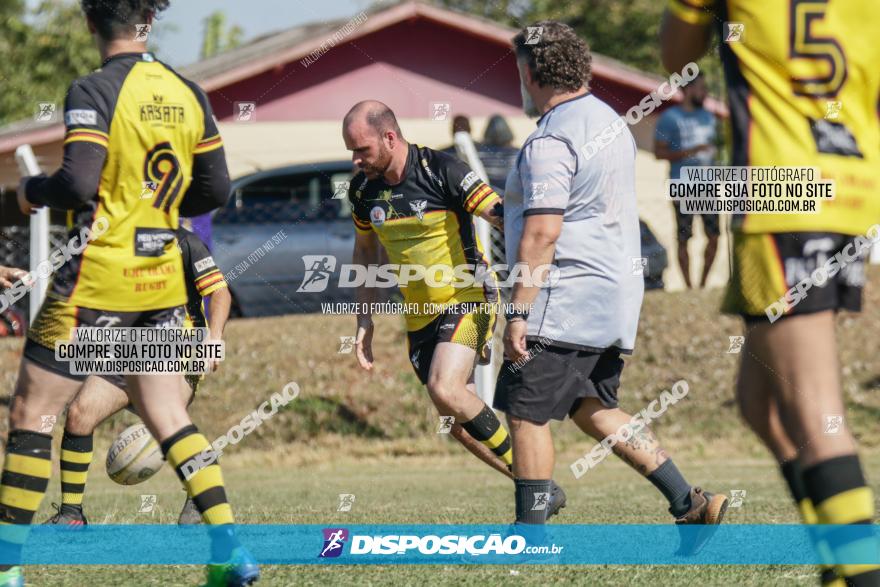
{"type": "Point", "coordinates": [204, 486]}
{"type": "Point", "coordinates": [76, 456]}
{"type": "Point", "coordinates": [26, 471]}
{"type": "Point", "coordinates": [487, 428]}
{"type": "Point", "coordinates": [840, 496]}
{"type": "Point", "coordinates": [794, 477]}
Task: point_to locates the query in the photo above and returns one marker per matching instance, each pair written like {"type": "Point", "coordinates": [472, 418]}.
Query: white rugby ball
{"type": "Point", "coordinates": [134, 456]}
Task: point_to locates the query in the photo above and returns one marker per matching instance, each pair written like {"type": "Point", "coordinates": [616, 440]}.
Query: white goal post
{"type": "Point", "coordinates": [39, 229]}
{"type": "Point", "coordinates": [485, 374]}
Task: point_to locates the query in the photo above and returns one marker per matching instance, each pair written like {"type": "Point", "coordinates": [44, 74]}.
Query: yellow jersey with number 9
{"type": "Point", "coordinates": [803, 82]}
{"type": "Point", "coordinates": [152, 123]}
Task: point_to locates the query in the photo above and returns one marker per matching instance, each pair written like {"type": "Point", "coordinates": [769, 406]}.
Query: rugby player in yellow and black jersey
{"type": "Point", "coordinates": [141, 147]}
{"type": "Point", "coordinates": [803, 86]}
{"type": "Point", "coordinates": [418, 204]}
{"type": "Point", "coordinates": [103, 395]}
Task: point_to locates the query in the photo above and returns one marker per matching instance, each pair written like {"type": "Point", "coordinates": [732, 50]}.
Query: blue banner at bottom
{"type": "Point", "coordinates": [448, 544]}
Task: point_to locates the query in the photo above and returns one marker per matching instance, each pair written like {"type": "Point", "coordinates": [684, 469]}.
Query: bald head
{"type": "Point", "coordinates": [373, 114]}
{"type": "Point", "coordinates": [371, 133]}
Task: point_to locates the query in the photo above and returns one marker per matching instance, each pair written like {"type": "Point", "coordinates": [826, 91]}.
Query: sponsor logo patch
{"type": "Point", "coordinates": [205, 263]}
{"type": "Point", "coordinates": [151, 242]}
{"type": "Point", "coordinates": [81, 118]}
{"type": "Point", "coordinates": [469, 180]}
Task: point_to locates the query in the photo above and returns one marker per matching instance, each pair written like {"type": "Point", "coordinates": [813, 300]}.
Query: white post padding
{"type": "Point", "coordinates": [39, 245]}
{"type": "Point", "coordinates": [484, 377]}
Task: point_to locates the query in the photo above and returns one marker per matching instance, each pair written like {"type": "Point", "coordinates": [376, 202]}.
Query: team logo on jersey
{"type": "Point", "coordinates": [418, 208]}
{"type": "Point", "coordinates": [158, 111]}
{"type": "Point", "coordinates": [334, 541]}
{"type": "Point", "coordinates": [377, 215]}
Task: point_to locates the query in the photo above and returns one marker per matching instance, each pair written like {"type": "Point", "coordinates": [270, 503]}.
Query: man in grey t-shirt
{"type": "Point", "coordinates": [571, 202]}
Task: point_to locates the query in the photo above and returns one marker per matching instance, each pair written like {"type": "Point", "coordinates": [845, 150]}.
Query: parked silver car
{"type": "Point", "coordinates": [271, 223]}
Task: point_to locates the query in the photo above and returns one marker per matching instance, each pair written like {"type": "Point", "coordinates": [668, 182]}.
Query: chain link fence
{"type": "Point", "coordinates": [15, 251]}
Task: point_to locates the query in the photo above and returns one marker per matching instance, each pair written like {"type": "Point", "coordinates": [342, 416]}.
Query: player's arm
{"type": "Point", "coordinates": [219, 306]}
{"type": "Point", "coordinates": [202, 271]}
{"type": "Point", "coordinates": [548, 165]}
{"type": "Point", "coordinates": [468, 190]}
{"type": "Point", "coordinates": [685, 32]}
{"type": "Point", "coordinates": [210, 184]}
{"type": "Point", "coordinates": [367, 251]}
{"type": "Point", "coordinates": [662, 150]}
{"type": "Point", "coordinates": [86, 118]}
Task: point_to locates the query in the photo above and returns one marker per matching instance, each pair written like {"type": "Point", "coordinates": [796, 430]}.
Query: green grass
{"type": "Point", "coordinates": [452, 489]}
{"type": "Point", "coordinates": [374, 436]}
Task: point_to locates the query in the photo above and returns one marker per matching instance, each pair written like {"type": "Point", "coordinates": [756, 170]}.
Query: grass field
{"type": "Point", "coordinates": [375, 436]}
{"type": "Point", "coordinates": [445, 489]}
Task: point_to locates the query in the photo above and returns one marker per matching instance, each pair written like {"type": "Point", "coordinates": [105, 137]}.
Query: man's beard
{"type": "Point", "coordinates": [528, 104]}
{"type": "Point", "coordinates": [697, 101]}
{"type": "Point", "coordinates": [383, 162]}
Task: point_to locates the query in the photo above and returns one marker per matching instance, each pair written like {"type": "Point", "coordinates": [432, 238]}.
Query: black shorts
{"type": "Point", "coordinates": [57, 318]}
{"type": "Point", "coordinates": [685, 224]}
{"type": "Point", "coordinates": [554, 381]}
{"type": "Point", "coordinates": [766, 267]}
{"type": "Point", "coordinates": [471, 325]}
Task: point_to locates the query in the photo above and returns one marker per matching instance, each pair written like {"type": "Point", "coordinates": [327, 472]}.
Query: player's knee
{"type": "Point", "coordinates": [445, 392]}
{"type": "Point", "coordinates": [78, 420]}
{"type": "Point", "coordinates": [18, 414]}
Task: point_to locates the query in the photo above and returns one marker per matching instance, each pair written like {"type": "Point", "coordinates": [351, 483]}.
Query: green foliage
{"type": "Point", "coordinates": [42, 54]}
{"type": "Point", "coordinates": [217, 38]}
{"type": "Point", "coordinates": [625, 30]}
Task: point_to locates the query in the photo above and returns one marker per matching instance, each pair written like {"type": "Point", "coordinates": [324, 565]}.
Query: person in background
{"type": "Point", "coordinates": [497, 152]}
{"type": "Point", "coordinates": [685, 136]}
{"type": "Point", "coordinates": [460, 123]}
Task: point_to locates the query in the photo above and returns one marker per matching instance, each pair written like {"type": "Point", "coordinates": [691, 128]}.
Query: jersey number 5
{"type": "Point", "coordinates": [162, 174]}
{"type": "Point", "coordinates": [804, 43]}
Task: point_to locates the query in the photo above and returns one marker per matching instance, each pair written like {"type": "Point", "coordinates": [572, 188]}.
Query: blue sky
{"type": "Point", "coordinates": [179, 44]}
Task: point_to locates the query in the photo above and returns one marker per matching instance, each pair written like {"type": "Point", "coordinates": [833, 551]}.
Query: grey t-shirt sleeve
{"type": "Point", "coordinates": [546, 168]}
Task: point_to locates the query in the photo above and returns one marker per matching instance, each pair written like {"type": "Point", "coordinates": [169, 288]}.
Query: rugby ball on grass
{"type": "Point", "coordinates": [134, 456]}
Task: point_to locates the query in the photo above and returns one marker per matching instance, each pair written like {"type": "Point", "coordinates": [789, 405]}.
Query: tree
{"type": "Point", "coordinates": [41, 55]}
{"type": "Point", "coordinates": [627, 31]}
{"type": "Point", "coordinates": [217, 38]}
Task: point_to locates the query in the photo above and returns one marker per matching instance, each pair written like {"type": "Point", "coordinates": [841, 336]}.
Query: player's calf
{"type": "Point", "coordinates": [76, 456]}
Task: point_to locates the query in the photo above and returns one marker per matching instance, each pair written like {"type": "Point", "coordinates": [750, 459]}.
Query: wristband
{"type": "Point", "coordinates": [516, 314]}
